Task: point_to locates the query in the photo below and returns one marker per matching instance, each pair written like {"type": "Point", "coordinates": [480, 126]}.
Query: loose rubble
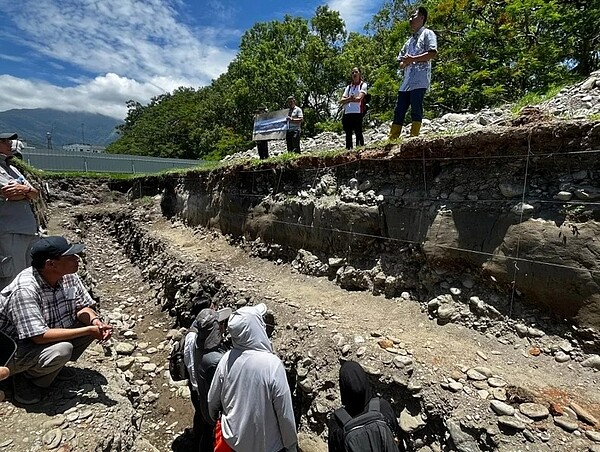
{"type": "Point", "coordinates": [479, 398]}
{"type": "Point", "coordinates": [577, 101]}
{"type": "Point", "coordinates": [460, 373]}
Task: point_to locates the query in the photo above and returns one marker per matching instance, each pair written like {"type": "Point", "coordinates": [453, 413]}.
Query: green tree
{"type": "Point", "coordinates": [488, 53]}
{"type": "Point", "coordinates": [322, 68]}
{"type": "Point", "coordinates": [580, 24]}
{"type": "Point", "coordinates": [495, 51]}
{"type": "Point", "coordinates": [163, 128]}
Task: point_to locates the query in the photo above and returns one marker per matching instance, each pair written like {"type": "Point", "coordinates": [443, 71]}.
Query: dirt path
{"type": "Point", "coordinates": [449, 347]}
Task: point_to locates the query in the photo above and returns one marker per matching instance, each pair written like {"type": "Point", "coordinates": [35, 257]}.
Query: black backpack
{"type": "Point", "coordinates": [177, 367]}
{"type": "Point", "coordinates": [368, 432]}
{"type": "Point", "coordinates": [366, 101]}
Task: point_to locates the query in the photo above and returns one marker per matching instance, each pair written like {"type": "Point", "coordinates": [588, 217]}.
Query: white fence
{"type": "Point", "coordinates": [59, 160]}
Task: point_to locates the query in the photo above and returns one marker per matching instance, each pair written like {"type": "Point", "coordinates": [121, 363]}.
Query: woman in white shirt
{"type": "Point", "coordinates": [354, 109]}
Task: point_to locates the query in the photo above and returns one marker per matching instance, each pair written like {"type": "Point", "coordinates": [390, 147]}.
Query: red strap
{"type": "Point", "coordinates": [220, 444]}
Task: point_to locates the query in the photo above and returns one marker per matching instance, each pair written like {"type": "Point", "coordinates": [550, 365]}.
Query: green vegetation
{"type": "Point", "coordinates": [42, 174]}
{"type": "Point", "coordinates": [533, 98]}
{"type": "Point", "coordinates": [332, 125]}
{"type": "Point", "coordinates": [490, 53]}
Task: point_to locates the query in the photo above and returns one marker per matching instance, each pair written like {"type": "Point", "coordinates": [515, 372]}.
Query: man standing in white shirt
{"type": "Point", "coordinates": [295, 118]}
{"type": "Point", "coordinates": [415, 60]}
{"type": "Point", "coordinates": [18, 226]}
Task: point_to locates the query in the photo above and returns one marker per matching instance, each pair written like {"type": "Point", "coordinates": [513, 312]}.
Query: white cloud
{"type": "Point", "coordinates": [105, 94]}
{"type": "Point", "coordinates": [142, 47]}
{"type": "Point", "coordinates": [12, 58]}
{"type": "Point", "coordinates": [356, 13]}
{"type": "Point", "coordinates": [104, 52]}
{"type": "Point", "coordinates": [128, 37]}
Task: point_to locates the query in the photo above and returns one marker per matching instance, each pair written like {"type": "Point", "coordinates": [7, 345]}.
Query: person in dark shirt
{"type": "Point", "coordinates": [203, 350]}
{"type": "Point", "coordinates": [262, 145]}
{"type": "Point", "coordinates": [355, 392]}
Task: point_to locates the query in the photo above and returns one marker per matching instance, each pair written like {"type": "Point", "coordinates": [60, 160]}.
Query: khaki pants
{"type": "Point", "coordinates": [42, 363]}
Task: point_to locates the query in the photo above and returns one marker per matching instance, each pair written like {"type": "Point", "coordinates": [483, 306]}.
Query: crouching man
{"type": "Point", "coordinates": [48, 311]}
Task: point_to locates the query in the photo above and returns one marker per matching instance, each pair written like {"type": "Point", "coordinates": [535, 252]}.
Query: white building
{"type": "Point", "coordinates": [81, 147]}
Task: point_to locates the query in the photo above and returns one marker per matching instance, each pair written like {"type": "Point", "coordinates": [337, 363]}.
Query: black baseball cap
{"type": "Point", "coordinates": [53, 247]}
{"type": "Point", "coordinates": [207, 322]}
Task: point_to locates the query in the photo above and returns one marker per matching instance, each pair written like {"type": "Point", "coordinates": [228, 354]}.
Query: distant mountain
{"type": "Point", "coordinates": [66, 128]}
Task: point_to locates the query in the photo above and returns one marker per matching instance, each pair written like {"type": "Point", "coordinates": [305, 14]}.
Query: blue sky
{"type": "Point", "coordinates": [94, 55]}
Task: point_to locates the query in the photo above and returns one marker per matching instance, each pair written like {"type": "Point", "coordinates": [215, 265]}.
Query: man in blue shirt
{"type": "Point", "coordinates": [415, 60]}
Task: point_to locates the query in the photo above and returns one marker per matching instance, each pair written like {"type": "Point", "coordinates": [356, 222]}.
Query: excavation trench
{"type": "Point", "coordinates": [420, 366]}
{"type": "Point", "coordinates": [183, 287]}
{"type": "Point", "coordinates": [460, 271]}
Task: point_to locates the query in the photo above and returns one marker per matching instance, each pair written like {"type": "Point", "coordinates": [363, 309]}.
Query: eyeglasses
{"type": "Point", "coordinates": [355, 72]}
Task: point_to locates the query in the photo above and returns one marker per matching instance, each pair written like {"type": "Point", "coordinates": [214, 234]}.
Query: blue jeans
{"type": "Point", "coordinates": [412, 99]}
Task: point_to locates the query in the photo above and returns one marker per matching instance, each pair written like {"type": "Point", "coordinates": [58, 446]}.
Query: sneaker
{"type": "Point", "coordinates": [25, 392]}
{"type": "Point", "coordinates": [66, 374]}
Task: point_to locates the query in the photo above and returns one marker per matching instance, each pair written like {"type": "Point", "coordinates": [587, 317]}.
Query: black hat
{"type": "Point", "coordinates": [207, 322]}
{"type": "Point", "coordinates": [52, 247]}
{"type": "Point", "coordinates": [208, 316]}
{"type": "Point", "coordinates": [8, 136]}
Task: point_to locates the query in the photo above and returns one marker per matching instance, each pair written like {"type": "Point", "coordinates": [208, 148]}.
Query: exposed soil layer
{"type": "Point", "coordinates": [412, 359]}
{"type": "Point", "coordinates": [359, 256]}
{"type": "Point", "coordinates": [517, 204]}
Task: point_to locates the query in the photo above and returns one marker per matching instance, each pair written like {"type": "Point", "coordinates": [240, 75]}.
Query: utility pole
{"type": "Point", "coordinates": [82, 134]}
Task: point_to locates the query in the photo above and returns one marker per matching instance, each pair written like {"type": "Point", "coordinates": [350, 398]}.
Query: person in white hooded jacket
{"type": "Point", "coordinates": [250, 389]}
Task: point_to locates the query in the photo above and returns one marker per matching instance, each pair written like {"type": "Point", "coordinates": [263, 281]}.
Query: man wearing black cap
{"type": "Point", "coordinates": [203, 350]}
{"type": "Point", "coordinates": [48, 311]}
{"type": "Point", "coordinates": [18, 226]}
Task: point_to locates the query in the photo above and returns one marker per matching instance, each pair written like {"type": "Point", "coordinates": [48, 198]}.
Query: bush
{"type": "Point", "coordinates": [329, 126]}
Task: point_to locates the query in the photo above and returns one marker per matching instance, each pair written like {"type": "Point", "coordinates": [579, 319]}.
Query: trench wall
{"type": "Point", "coordinates": [519, 205]}
{"type": "Point", "coordinates": [183, 285]}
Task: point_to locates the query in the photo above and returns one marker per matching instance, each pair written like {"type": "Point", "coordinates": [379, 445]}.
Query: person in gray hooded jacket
{"type": "Point", "coordinates": [251, 391]}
